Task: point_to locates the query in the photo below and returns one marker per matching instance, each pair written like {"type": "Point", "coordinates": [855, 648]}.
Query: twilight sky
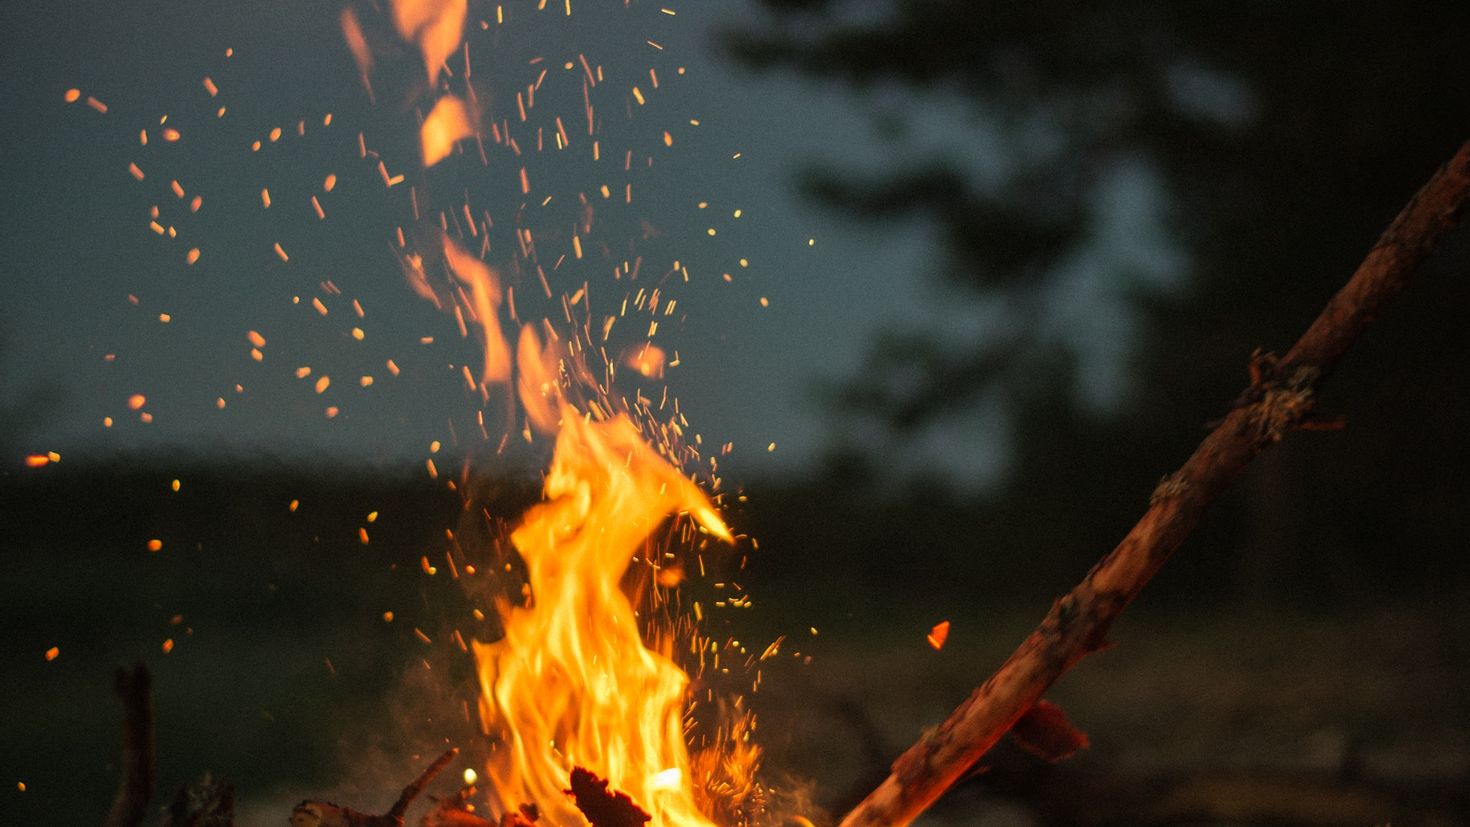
{"type": "Point", "coordinates": [89, 281]}
{"type": "Point", "coordinates": [78, 243]}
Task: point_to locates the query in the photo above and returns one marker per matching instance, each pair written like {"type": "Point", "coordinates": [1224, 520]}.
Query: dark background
{"type": "Point", "coordinates": [1101, 211]}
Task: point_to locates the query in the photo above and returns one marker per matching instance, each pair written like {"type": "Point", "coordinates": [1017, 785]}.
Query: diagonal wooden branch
{"type": "Point", "coordinates": [1280, 399]}
{"type": "Point", "coordinates": [416, 787]}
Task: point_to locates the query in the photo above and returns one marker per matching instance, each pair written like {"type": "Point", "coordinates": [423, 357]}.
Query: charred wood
{"type": "Point", "coordinates": [604, 807]}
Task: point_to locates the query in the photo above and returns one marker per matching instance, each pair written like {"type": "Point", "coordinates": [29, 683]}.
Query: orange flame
{"type": "Point", "coordinates": [540, 394]}
{"type": "Point", "coordinates": [356, 43]}
{"type": "Point", "coordinates": [485, 295]}
{"type": "Point", "coordinates": [447, 122]}
{"type": "Point", "coordinates": [571, 683]}
{"type": "Point", "coordinates": [435, 26]}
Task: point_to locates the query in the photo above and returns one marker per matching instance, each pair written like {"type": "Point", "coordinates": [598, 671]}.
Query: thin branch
{"type": "Point", "coordinates": [412, 790]}
{"type": "Point", "coordinates": [1280, 399]}
{"type": "Point", "coordinates": [135, 786]}
{"type": "Point", "coordinates": [320, 813]}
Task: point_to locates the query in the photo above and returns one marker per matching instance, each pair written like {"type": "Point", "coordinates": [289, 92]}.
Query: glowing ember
{"type": "Point", "coordinates": [939, 634]}
{"type": "Point", "coordinates": [647, 359]}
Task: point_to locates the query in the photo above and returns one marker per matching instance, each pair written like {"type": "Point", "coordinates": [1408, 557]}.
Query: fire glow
{"type": "Point", "coordinates": [571, 683]}
{"type": "Point", "coordinates": [585, 674]}
{"type": "Point", "coordinates": [581, 695]}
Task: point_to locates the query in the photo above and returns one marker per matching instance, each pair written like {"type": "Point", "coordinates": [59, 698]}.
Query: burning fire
{"type": "Point", "coordinates": [581, 678]}
{"type": "Point", "coordinates": [571, 683]}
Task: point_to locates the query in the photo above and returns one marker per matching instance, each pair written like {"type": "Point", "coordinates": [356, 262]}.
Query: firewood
{"type": "Point", "coordinates": [1280, 399]}
{"type": "Point", "coordinates": [604, 807]}
{"type": "Point", "coordinates": [451, 813]}
{"type": "Point", "coordinates": [456, 811]}
{"type": "Point", "coordinates": [327, 814]}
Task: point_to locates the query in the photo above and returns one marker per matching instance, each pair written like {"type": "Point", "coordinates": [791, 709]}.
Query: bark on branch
{"type": "Point", "coordinates": [1279, 399]}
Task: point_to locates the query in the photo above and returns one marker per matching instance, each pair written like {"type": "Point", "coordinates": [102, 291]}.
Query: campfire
{"type": "Point", "coordinates": [578, 694]}
{"type": "Point", "coordinates": [585, 705]}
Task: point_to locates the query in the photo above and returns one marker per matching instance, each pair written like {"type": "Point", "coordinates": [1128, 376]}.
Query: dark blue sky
{"type": "Point", "coordinates": [78, 248]}
{"type": "Point", "coordinates": [78, 242]}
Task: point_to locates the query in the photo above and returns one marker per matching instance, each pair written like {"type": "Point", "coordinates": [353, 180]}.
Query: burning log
{"type": "Point", "coordinates": [452, 812]}
{"type": "Point", "coordinates": [1280, 399]}
{"type": "Point", "coordinates": [604, 807]}
{"type": "Point", "coordinates": [326, 814]}
{"type": "Point", "coordinates": [457, 811]}
{"type": "Point", "coordinates": [136, 784]}
{"type": "Point", "coordinates": [601, 806]}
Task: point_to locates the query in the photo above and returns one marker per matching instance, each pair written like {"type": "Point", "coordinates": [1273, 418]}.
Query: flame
{"type": "Point", "coordinates": [538, 387]}
{"type": "Point", "coordinates": [571, 684]}
{"type": "Point", "coordinates": [435, 26]}
{"type": "Point", "coordinates": [648, 359]}
{"type": "Point", "coordinates": [485, 296]}
{"type": "Point", "coordinates": [447, 122]}
{"type": "Point", "coordinates": [356, 43]}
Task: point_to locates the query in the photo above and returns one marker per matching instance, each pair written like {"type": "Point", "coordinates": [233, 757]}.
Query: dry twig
{"type": "Point", "coordinates": [326, 814]}
{"type": "Point", "coordinates": [1280, 399]}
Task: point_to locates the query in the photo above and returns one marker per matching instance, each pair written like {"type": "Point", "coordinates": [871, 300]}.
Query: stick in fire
{"type": "Point", "coordinates": [324, 814]}
{"type": "Point", "coordinates": [1280, 399]}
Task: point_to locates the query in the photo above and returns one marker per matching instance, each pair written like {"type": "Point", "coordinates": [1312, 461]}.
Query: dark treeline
{"type": "Point", "coordinates": [1279, 140]}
